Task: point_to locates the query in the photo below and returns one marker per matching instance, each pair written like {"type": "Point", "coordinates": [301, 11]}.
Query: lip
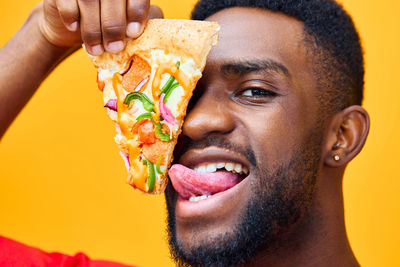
{"type": "Point", "coordinates": [211, 206]}
{"type": "Point", "coordinates": [212, 154]}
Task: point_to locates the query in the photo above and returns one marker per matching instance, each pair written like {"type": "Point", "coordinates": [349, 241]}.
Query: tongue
{"type": "Point", "coordinates": [189, 183]}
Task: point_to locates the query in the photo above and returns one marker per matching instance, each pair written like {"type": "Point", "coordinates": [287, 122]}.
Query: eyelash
{"type": "Point", "coordinates": [258, 93]}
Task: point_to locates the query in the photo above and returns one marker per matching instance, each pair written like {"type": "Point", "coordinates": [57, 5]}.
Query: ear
{"type": "Point", "coordinates": [347, 133]}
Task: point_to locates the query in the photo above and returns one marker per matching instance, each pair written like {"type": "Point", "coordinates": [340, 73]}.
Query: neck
{"type": "Point", "coordinates": [319, 238]}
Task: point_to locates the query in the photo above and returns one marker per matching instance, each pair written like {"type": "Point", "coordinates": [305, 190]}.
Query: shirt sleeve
{"type": "Point", "coordinates": [16, 254]}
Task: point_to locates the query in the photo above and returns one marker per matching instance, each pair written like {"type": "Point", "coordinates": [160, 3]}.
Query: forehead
{"type": "Point", "coordinates": [250, 33]}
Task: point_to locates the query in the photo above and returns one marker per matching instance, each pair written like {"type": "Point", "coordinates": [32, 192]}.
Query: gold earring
{"type": "Point", "coordinates": [336, 157]}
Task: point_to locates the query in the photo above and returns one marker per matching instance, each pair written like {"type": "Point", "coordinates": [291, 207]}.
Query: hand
{"type": "Point", "coordinates": [68, 23]}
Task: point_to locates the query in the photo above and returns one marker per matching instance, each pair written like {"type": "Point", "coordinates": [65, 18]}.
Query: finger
{"type": "Point", "coordinates": [113, 24]}
{"type": "Point", "coordinates": [69, 13]}
{"type": "Point", "coordinates": [89, 11]}
{"type": "Point", "coordinates": [137, 12]}
{"type": "Point", "coordinates": [155, 12]}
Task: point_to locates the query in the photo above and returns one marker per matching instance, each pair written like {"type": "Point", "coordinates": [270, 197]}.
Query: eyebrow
{"type": "Point", "coordinates": [242, 67]}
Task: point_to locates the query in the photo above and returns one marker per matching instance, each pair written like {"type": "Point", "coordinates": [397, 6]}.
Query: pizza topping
{"type": "Point", "coordinates": [133, 148]}
{"type": "Point", "coordinates": [112, 104]}
{"type": "Point", "coordinates": [147, 104]}
{"type": "Point", "coordinates": [161, 135]}
{"type": "Point", "coordinates": [182, 79]}
{"type": "Point", "coordinates": [141, 84]}
{"type": "Point", "coordinates": [158, 165]}
{"type": "Point", "coordinates": [129, 67]}
{"type": "Point", "coordinates": [165, 112]}
{"type": "Point", "coordinates": [168, 84]}
{"type": "Point", "coordinates": [134, 75]}
{"type": "Point", "coordinates": [146, 132]}
{"type": "Point", "coordinates": [168, 93]}
{"type": "Point", "coordinates": [166, 129]}
{"type": "Point", "coordinates": [140, 173]}
{"type": "Point", "coordinates": [152, 175]}
{"type": "Point", "coordinates": [152, 152]}
{"type": "Point", "coordinates": [145, 116]}
{"type": "Point", "coordinates": [168, 87]}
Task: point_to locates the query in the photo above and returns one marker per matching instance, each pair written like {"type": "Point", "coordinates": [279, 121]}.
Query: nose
{"type": "Point", "coordinates": [209, 115]}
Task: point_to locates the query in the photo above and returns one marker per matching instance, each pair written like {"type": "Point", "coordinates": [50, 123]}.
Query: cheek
{"type": "Point", "coordinates": [270, 133]}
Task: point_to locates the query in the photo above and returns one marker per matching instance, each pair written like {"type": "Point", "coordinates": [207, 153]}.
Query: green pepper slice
{"type": "Point", "coordinates": [168, 93]}
{"type": "Point", "coordinates": [147, 104]}
{"type": "Point", "coordinates": [145, 116]}
{"type": "Point", "coordinates": [152, 174]}
{"type": "Point", "coordinates": [158, 165]}
{"type": "Point", "coordinates": [160, 135]}
{"type": "Point", "coordinates": [168, 84]}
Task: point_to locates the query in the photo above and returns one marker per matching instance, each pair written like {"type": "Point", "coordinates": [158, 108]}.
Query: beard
{"type": "Point", "coordinates": [280, 198]}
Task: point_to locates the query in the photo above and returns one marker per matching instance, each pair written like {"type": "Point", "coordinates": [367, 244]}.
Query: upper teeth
{"type": "Point", "coordinates": [229, 166]}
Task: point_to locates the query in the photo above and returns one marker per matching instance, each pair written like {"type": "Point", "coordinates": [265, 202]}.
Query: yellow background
{"type": "Point", "coordinates": [62, 181]}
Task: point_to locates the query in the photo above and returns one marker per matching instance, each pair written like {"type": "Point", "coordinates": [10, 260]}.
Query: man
{"type": "Point", "coordinates": [280, 96]}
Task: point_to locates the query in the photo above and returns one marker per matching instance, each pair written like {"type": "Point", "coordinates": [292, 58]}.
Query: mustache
{"type": "Point", "coordinates": [185, 144]}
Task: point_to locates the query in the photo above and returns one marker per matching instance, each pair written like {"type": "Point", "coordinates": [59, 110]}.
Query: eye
{"type": "Point", "coordinates": [257, 93]}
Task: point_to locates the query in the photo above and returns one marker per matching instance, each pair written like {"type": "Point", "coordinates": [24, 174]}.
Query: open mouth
{"type": "Point", "coordinates": [207, 178]}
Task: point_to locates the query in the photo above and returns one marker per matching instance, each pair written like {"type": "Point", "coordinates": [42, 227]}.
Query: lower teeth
{"type": "Point", "coordinates": [194, 198]}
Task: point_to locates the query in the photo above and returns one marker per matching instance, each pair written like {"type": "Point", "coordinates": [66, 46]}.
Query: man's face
{"type": "Point", "coordinates": [255, 107]}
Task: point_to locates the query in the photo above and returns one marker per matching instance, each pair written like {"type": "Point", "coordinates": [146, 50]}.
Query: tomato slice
{"type": "Point", "coordinates": [153, 151]}
{"type": "Point", "coordinates": [139, 71]}
{"type": "Point", "coordinates": [145, 130]}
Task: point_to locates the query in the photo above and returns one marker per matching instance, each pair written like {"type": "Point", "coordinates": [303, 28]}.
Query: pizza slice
{"type": "Point", "coordinates": [146, 90]}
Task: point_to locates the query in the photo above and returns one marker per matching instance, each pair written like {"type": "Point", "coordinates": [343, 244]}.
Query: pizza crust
{"type": "Point", "coordinates": [186, 38]}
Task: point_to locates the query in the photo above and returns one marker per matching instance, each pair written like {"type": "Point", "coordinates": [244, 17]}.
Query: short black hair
{"type": "Point", "coordinates": [335, 43]}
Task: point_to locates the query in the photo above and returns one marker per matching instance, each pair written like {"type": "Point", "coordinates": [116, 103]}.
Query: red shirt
{"type": "Point", "coordinates": [16, 254]}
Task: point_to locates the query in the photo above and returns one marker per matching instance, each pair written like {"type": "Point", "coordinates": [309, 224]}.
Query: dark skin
{"type": "Point", "coordinates": [257, 91]}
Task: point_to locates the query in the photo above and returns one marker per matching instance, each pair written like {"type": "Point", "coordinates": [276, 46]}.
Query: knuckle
{"type": "Point", "coordinates": [88, 2]}
{"type": "Point", "coordinates": [113, 31]}
{"type": "Point", "coordinates": [68, 12]}
{"type": "Point", "coordinates": [92, 37]}
{"type": "Point", "coordinates": [138, 10]}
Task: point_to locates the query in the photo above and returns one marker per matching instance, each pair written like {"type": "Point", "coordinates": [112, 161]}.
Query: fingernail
{"type": "Point", "coordinates": [96, 50]}
{"type": "Point", "coordinates": [115, 47]}
{"type": "Point", "coordinates": [73, 26]}
{"type": "Point", "coordinates": [134, 29]}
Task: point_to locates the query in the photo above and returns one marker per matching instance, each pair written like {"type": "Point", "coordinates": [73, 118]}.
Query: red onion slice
{"type": "Point", "coordinates": [126, 71]}
{"type": "Point", "coordinates": [112, 104]}
{"type": "Point", "coordinates": [165, 112]}
{"type": "Point", "coordinates": [140, 85]}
